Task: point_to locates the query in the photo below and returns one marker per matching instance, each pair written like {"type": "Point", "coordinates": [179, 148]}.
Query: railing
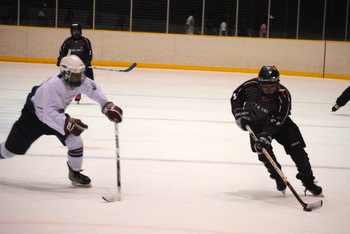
{"type": "Point", "coordinates": [293, 19]}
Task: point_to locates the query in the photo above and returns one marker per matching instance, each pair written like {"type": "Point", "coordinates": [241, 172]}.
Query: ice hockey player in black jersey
{"type": "Point", "coordinates": [79, 46]}
{"type": "Point", "coordinates": [342, 99]}
{"type": "Point", "coordinates": [265, 105]}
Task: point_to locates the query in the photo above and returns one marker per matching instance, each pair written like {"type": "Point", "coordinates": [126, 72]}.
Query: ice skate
{"type": "Point", "coordinates": [77, 98]}
{"type": "Point", "coordinates": [78, 179]}
{"type": "Point", "coordinates": [313, 189]}
{"type": "Point", "coordinates": [335, 108]}
{"type": "Point", "coordinates": [1, 157]}
{"type": "Point", "coordinates": [280, 185]}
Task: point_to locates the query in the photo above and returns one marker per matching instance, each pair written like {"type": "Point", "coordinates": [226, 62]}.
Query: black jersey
{"type": "Point", "coordinates": [271, 111]}
{"type": "Point", "coordinates": [80, 47]}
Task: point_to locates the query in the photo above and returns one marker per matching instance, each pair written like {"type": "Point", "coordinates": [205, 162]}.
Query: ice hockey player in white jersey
{"type": "Point", "coordinates": [44, 114]}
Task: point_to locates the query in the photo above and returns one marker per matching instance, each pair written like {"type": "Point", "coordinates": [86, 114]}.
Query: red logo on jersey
{"type": "Point", "coordinates": [266, 99]}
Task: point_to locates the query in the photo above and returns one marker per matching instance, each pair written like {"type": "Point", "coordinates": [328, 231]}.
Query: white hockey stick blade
{"type": "Point", "coordinates": [112, 198]}
{"type": "Point", "coordinates": [313, 206]}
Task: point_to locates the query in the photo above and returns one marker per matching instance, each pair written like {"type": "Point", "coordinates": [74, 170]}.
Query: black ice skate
{"type": "Point", "coordinates": [313, 188]}
{"type": "Point", "coordinates": [78, 179]}
{"type": "Point", "coordinates": [335, 108]}
{"type": "Point", "coordinates": [280, 185]}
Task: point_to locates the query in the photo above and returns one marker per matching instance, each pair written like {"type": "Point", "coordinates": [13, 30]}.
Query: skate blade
{"type": "Point", "coordinates": [283, 192]}
{"type": "Point", "coordinates": [112, 198]}
{"type": "Point", "coordinates": [311, 194]}
{"type": "Point", "coordinates": [319, 195]}
{"type": "Point", "coordinates": [77, 184]}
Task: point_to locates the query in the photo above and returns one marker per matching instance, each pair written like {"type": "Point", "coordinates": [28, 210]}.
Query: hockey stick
{"type": "Point", "coordinates": [117, 70]}
{"type": "Point", "coordinates": [307, 207]}
{"type": "Point", "coordinates": [116, 197]}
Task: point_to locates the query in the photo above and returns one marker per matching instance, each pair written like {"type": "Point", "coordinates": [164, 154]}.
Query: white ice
{"type": "Point", "coordinates": [185, 165]}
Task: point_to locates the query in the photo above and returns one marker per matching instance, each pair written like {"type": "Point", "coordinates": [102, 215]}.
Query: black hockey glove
{"type": "Point", "coordinates": [242, 117]}
{"type": "Point", "coordinates": [264, 141]}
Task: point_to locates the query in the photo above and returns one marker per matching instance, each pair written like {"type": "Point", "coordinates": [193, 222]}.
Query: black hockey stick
{"type": "Point", "coordinates": [307, 207]}
{"type": "Point", "coordinates": [117, 70]}
{"type": "Point", "coordinates": [116, 197]}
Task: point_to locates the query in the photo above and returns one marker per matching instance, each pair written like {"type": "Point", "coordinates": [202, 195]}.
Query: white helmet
{"type": "Point", "coordinates": [69, 65]}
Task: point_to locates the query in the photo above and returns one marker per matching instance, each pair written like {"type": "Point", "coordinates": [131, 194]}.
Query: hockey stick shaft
{"type": "Point", "coordinates": [118, 196]}
{"type": "Point", "coordinates": [117, 70]}
{"type": "Point", "coordinates": [307, 207]}
{"type": "Point", "coordinates": [117, 159]}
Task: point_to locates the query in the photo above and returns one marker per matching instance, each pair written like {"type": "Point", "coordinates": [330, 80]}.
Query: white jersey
{"type": "Point", "coordinates": [223, 29]}
{"type": "Point", "coordinates": [54, 95]}
{"type": "Point", "coordinates": [190, 23]}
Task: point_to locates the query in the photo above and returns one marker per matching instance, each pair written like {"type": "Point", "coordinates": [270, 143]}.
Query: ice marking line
{"type": "Point", "coordinates": [180, 161]}
{"type": "Point", "coordinates": [174, 97]}
{"type": "Point", "coordinates": [182, 120]}
{"type": "Point", "coordinates": [114, 226]}
{"type": "Point", "coordinates": [221, 121]}
{"type": "Point", "coordinates": [178, 97]}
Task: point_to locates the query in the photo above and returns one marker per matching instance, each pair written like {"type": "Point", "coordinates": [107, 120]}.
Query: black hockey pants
{"type": "Point", "coordinates": [344, 97]}
{"type": "Point", "coordinates": [291, 139]}
{"type": "Point", "coordinates": [27, 129]}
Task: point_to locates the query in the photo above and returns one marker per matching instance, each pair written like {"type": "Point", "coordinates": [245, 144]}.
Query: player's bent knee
{"type": "Point", "coordinates": [74, 142]}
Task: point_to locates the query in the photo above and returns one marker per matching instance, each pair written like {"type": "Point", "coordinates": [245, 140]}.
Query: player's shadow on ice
{"type": "Point", "coordinates": [341, 114]}
{"type": "Point", "coordinates": [84, 104]}
{"type": "Point", "coordinates": [256, 194]}
{"type": "Point", "coordinates": [39, 187]}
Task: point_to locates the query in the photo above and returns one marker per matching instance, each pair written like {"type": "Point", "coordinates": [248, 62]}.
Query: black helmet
{"type": "Point", "coordinates": [269, 79]}
{"type": "Point", "coordinates": [269, 74]}
{"type": "Point", "coordinates": [75, 27]}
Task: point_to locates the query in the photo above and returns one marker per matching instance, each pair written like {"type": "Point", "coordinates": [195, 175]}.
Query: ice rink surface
{"type": "Point", "coordinates": [185, 165]}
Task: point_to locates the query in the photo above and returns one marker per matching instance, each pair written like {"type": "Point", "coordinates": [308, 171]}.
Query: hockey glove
{"type": "Point", "coordinates": [74, 126]}
{"type": "Point", "coordinates": [113, 112]}
{"type": "Point", "coordinates": [264, 141]}
{"type": "Point", "coordinates": [242, 117]}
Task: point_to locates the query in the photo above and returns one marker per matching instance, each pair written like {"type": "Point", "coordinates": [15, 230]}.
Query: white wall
{"type": "Point", "coordinates": [303, 57]}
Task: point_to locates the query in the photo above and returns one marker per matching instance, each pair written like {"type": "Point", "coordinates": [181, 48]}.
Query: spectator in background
{"type": "Point", "coordinates": [88, 21]}
{"type": "Point", "coordinates": [262, 28]}
{"type": "Point", "coordinates": [190, 27]}
{"type": "Point", "coordinates": [120, 22]}
{"type": "Point", "coordinates": [68, 18]}
{"type": "Point", "coordinates": [210, 24]}
{"type": "Point", "coordinates": [223, 26]}
{"type": "Point", "coordinates": [42, 18]}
